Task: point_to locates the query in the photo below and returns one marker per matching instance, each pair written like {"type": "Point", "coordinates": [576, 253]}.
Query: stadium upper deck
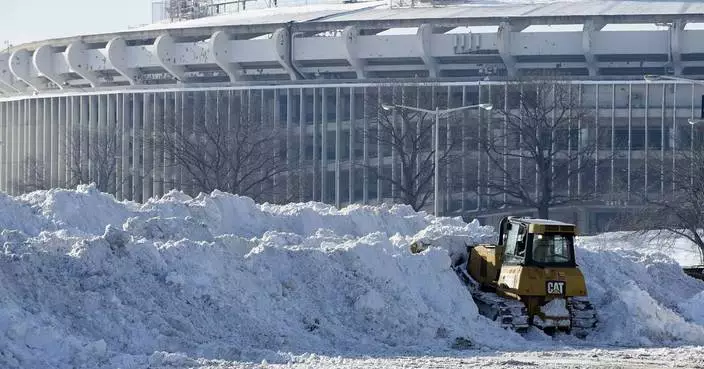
{"type": "Point", "coordinates": [369, 41]}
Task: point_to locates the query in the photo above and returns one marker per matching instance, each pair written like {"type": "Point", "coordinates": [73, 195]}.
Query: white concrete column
{"type": "Point", "coordinates": [464, 151]}
{"type": "Point", "coordinates": [138, 108]}
{"type": "Point", "coordinates": [289, 143]}
{"type": "Point", "coordinates": [338, 147]}
{"type": "Point", "coordinates": [365, 148]}
{"type": "Point", "coordinates": [504, 44]}
{"type": "Point", "coordinates": [316, 144]}
{"type": "Point", "coordinates": [46, 138]}
{"type": "Point", "coordinates": [94, 127]}
{"type": "Point", "coordinates": [77, 61]}
{"type": "Point", "coordinates": [118, 58]}
{"type": "Point", "coordinates": [324, 145]}
{"type": "Point", "coordinates": [118, 134]}
{"type": "Point", "coordinates": [168, 126]}
{"type": "Point", "coordinates": [7, 148]}
{"type": "Point", "coordinates": [275, 126]}
{"type": "Point", "coordinates": [425, 34]}
{"type": "Point", "coordinates": [60, 132]}
{"type": "Point", "coordinates": [22, 133]}
{"type": "Point", "coordinates": [353, 144]}
{"type": "Point", "coordinates": [157, 146]}
{"type": "Point", "coordinates": [125, 133]}
{"type": "Point", "coordinates": [676, 31]}
{"type": "Point", "coordinates": [188, 112]}
{"type": "Point", "coordinates": [379, 155]}
{"type": "Point", "coordinates": [350, 36]}
{"type": "Point", "coordinates": [51, 149]}
{"type": "Point", "coordinates": [302, 123]}
{"type": "Point", "coordinates": [68, 143]}
{"type": "Point", "coordinates": [282, 47]}
{"type": "Point", "coordinates": [588, 30]}
{"type": "Point", "coordinates": [75, 131]}
{"type": "Point", "coordinates": [147, 132]}
{"type": "Point", "coordinates": [84, 132]}
{"type": "Point", "coordinates": [15, 147]}
{"type": "Point", "coordinates": [113, 143]}
{"type": "Point", "coordinates": [178, 127]}
{"type": "Point", "coordinates": [14, 135]}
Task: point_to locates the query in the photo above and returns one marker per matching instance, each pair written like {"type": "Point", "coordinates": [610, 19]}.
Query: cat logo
{"type": "Point", "coordinates": [555, 288]}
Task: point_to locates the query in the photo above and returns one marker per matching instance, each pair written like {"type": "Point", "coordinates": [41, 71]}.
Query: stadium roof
{"type": "Point", "coordinates": [378, 15]}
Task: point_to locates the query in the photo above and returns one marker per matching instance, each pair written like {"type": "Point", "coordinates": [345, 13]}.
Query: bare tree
{"type": "Point", "coordinates": [678, 211]}
{"type": "Point", "coordinates": [94, 160]}
{"type": "Point", "coordinates": [33, 178]}
{"type": "Point", "coordinates": [534, 147]}
{"type": "Point", "coordinates": [234, 150]}
{"type": "Point", "coordinates": [407, 136]}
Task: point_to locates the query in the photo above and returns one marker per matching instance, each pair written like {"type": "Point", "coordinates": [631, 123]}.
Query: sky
{"type": "Point", "coordinates": [31, 20]}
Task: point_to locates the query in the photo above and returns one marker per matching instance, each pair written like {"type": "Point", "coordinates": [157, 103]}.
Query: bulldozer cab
{"type": "Point", "coordinates": [537, 242]}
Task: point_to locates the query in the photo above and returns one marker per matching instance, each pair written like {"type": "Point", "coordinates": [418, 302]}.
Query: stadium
{"type": "Point", "coordinates": [105, 108]}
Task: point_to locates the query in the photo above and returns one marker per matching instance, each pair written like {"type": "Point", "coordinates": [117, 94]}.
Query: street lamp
{"type": "Point", "coordinates": [438, 113]}
{"type": "Point", "coordinates": [657, 77]}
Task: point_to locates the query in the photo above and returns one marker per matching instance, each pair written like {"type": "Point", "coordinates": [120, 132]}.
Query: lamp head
{"type": "Point", "coordinates": [387, 107]}
{"type": "Point", "coordinates": [652, 77]}
{"type": "Point", "coordinates": [486, 106]}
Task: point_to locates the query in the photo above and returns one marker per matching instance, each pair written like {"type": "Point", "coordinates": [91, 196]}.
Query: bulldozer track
{"type": "Point", "coordinates": [512, 314]}
{"type": "Point", "coordinates": [509, 313]}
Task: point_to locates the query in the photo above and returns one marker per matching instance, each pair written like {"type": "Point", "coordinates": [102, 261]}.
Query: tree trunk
{"type": "Point", "coordinates": [700, 245]}
{"type": "Point", "coordinates": [543, 211]}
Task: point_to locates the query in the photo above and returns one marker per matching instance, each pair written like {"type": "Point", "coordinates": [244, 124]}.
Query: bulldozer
{"type": "Point", "coordinates": [529, 278]}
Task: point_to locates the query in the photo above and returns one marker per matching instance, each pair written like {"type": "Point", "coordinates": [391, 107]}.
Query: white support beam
{"type": "Point", "coordinates": [676, 30]}
{"type": "Point", "coordinates": [118, 57]}
{"type": "Point", "coordinates": [166, 54]}
{"type": "Point", "coordinates": [504, 44]}
{"type": "Point", "coordinates": [425, 33]}
{"type": "Point", "coordinates": [221, 51]}
{"type": "Point", "coordinates": [77, 61]}
{"type": "Point", "coordinates": [7, 79]}
{"type": "Point", "coordinates": [350, 36]}
{"type": "Point", "coordinates": [588, 30]}
{"type": "Point", "coordinates": [21, 66]}
{"type": "Point", "coordinates": [282, 45]}
{"type": "Point", "coordinates": [43, 60]}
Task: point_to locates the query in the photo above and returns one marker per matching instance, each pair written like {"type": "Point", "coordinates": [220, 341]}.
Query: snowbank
{"type": "Point", "coordinates": [89, 282]}
{"type": "Point", "coordinates": [86, 281]}
{"type": "Point", "coordinates": [638, 297]}
{"type": "Point", "coordinates": [678, 248]}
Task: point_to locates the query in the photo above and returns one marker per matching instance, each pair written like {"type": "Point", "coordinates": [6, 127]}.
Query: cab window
{"type": "Point", "coordinates": [515, 243]}
{"type": "Point", "coordinates": [552, 248]}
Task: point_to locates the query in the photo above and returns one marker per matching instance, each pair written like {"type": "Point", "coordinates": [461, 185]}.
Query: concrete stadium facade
{"type": "Point", "coordinates": [314, 72]}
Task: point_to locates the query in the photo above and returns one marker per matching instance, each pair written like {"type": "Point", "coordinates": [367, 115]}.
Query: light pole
{"type": "Point", "coordinates": [658, 77]}
{"type": "Point", "coordinates": [438, 113]}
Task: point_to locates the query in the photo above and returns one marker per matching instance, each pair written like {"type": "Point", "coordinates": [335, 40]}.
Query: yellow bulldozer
{"type": "Point", "coordinates": [529, 278]}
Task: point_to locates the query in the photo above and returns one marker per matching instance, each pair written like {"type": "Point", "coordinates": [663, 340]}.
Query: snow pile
{"type": "Point", "coordinates": [638, 297]}
{"type": "Point", "coordinates": [88, 282]}
{"type": "Point", "coordinates": [680, 249]}
{"type": "Point", "coordinates": [692, 308]}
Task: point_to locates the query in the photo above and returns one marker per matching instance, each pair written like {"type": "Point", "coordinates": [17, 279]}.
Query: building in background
{"type": "Point", "coordinates": [110, 108]}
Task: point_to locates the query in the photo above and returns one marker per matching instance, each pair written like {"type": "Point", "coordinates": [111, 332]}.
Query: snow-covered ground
{"type": "Point", "coordinates": [218, 281]}
{"type": "Point", "coordinates": [678, 248]}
